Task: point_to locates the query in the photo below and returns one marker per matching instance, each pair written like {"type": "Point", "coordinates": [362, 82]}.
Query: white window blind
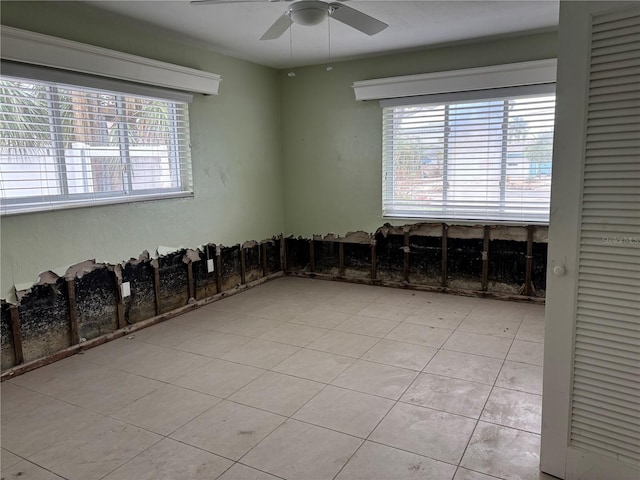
{"type": "Point", "coordinates": [482, 155]}
{"type": "Point", "coordinates": [64, 146]}
{"type": "Point", "coordinates": [605, 413]}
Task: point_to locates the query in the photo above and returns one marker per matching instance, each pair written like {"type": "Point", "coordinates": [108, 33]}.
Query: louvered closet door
{"type": "Point", "coordinates": [605, 413]}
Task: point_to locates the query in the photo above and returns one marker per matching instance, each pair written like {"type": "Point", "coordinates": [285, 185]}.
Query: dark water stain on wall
{"type": "Point", "coordinates": [327, 257]}
{"type": "Point", "coordinates": [297, 254]}
{"type": "Point", "coordinates": [96, 308]}
{"type": "Point", "coordinates": [141, 305]}
{"type": "Point", "coordinates": [174, 289]}
{"type": "Point", "coordinates": [230, 258]}
{"type": "Point", "coordinates": [7, 352]}
{"type": "Point", "coordinates": [390, 257]}
{"type": "Point", "coordinates": [44, 320]}
{"type": "Point", "coordinates": [252, 262]}
{"type": "Point", "coordinates": [539, 269]}
{"type": "Point", "coordinates": [507, 266]}
{"type": "Point", "coordinates": [464, 263]}
{"type": "Point", "coordinates": [205, 281]}
{"type": "Point", "coordinates": [273, 255]}
{"type": "Point", "coordinates": [357, 260]}
{"type": "Point", "coordinates": [425, 260]}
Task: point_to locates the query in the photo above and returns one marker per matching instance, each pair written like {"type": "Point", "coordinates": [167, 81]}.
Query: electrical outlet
{"type": "Point", "coordinates": [125, 289]}
{"type": "Point", "coordinates": [210, 265]}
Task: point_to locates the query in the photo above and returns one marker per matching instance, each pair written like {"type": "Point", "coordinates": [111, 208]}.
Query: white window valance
{"type": "Point", "coordinates": [44, 50]}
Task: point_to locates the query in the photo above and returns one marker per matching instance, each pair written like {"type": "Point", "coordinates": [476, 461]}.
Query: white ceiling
{"type": "Point", "coordinates": [234, 28]}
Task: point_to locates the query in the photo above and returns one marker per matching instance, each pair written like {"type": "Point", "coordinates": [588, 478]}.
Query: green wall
{"type": "Point", "coordinates": [236, 155]}
{"type": "Point", "coordinates": [332, 144]}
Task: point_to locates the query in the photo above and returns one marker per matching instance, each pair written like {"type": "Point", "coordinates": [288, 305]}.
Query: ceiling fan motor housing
{"type": "Point", "coordinates": [309, 12]}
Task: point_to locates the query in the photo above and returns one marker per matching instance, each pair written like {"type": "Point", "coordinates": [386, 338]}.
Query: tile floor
{"type": "Point", "coordinates": [295, 379]}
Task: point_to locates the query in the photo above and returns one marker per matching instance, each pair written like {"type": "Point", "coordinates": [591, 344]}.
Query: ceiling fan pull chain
{"type": "Point", "coordinates": [329, 67]}
{"type": "Point", "coordinates": [291, 72]}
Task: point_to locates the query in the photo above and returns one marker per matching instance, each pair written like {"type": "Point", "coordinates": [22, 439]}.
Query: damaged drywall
{"type": "Point", "coordinates": [7, 348]}
{"type": "Point", "coordinates": [204, 272]}
{"type": "Point", "coordinates": [95, 299]}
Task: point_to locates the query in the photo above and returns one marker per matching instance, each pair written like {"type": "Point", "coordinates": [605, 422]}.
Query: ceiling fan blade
{"type": "Point", "coordinates": [213, 2]}
{"type": "Point", "coordinates": [278, 28]}
{"type": "Point", "coordinates": [356, 19]}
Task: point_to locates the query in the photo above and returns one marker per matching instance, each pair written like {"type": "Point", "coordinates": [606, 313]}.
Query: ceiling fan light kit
{"type": "Point", "coordinates": [309, 12]}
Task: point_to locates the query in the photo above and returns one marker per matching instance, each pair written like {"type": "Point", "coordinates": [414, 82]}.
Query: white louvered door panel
{"type": "Point", "coordinates": [605, 413]}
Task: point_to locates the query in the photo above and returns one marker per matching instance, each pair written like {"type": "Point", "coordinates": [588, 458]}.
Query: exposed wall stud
{"type": "Point", "coordinates": [341, 254]}
{"type": "Point", "coordinates": [406, 256]}
{"type": "Point", "coordinates": [283, 254]}
{"type": "Point", "coordinates": [528, 285]}
{"type": "Point", "coordinates": [218, 270]}
{"type": "Point", "coordinates": [243, 265]}
{"type": "Point", "coordinates": [312, 256]}
{"type": "Point", "coordinates": [190, 281]}
{"type": "Point", "coordinates": [17, 336]}
{"type": "Point", "coordinates": [119, 302]}
{"type": "Point", "coordinates": [263, 258]}
{"type": "Point", "coordinates": [73, 311]}
{"type": "Point", "coordinates": [485, 259]}
{"type": "Point", "coordinates": [156, 287]}
{"type": "Point", "coordinates": [374, 267]}
{"type": "Point", "coordinates": [443, 279]}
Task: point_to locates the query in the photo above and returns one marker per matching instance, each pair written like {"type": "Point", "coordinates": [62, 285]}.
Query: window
{"type": "Point", "coordinates": [65, 146]}
{"type": "Point", "coordinates": [473, 156]}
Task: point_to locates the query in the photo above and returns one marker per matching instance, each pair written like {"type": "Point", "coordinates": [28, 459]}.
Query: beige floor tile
{"type": "Point", "coordinates": [282, 311]}
{"type": "Point", "coordinates": [294, 334]}
{"type": "Point", "coordinates": [167, 334]}
{"type": "Point", "coordinates": [246, 326]}
{"type": "Point", "coordinates": [464, 366]}
{"type": "Point", "coordinates": [7, 459]}
{"type": "Point", "coordinates": [242, 472]}
{"type": "Point", "coordinates": [171, 460]}
{"type": "Point", "coordinates": [531, 332]}
{"type": "Point", "coordinates": [434, 318]}
{"type": "Point", "coordinates": [166, 409]}
{"type": "Point", "coordinates": [419, 335]}
{"type": "Point", "coordinates": [403, 298]}
{"type": "Point", "coordinates": [386, 312]}
{"type": "Point", "coordinates": [500, 309]}
{"type": "Point", "coordinates": [379, 462]}
{"type": "Point", "coordinates": [521, 376]}
{"type": "Point", "coordinates": [317, 317]}
{"type": "Point", "coordinates": [16, 402]}
{"type": "Point", "coordinates": [228, 429]}
{"type": "Point", "coordinates": [374, 327]}
{"type": "Point", "coordinates": [434, 434]}
{"type": "Point", "coordinates": [496, 326]}
{"type": "Point", "coordinates": [261, 353]}
{"type": "Point", "coordinates": [486, 345]}
{"type": "Point", "coordinates": [27, 471]}
{"type": "Point", "coordinates": [299, 451]}
{"type": "Point", "coordinates": [277, 393]}
{"type": "Point", "coordinates": [219, 378]}
{"type": "Point", "coordinates": [450, 304]}
{"type": "Point", "coordinates": [376, 379]}
{"type": "Point", "coordinates": [464, 474]}
{"type": "Point", "coordinates": [534, 314]}
{"type": "Point", "coordinates": [346, 411]}
{"type": "Point", "coordinates": [503, 452]}
{"type": "Point", "coordinates": [31, 430]}
{"type": "Point", "coordinates": [213, 344]}
{"type": "Point", "coordinates": [510, 408]}
{"type": "Point", "coordinates": [96, 450]}
{"type": "Point", "coordinates": [206, 318]}
{"type": "Point", "coordinates": [344, 303]}
{"type": "Point", "coordinates": [526, 352]}
{"type": "Point", "coordinates": [400, 354]}
{"type": "Point", "coordinates": [314, 365]}
{"type": "Point", "coordinates": [342, 343]}
{"type": "Point", "coordinates": [448, 394]}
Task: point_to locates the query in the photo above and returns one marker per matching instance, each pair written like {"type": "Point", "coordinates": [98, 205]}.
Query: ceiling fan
{"type": "Point", "coordinates": [312, 12]}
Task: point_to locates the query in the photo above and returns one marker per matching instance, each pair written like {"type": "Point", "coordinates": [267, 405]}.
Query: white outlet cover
{"type": "Point", "coordinates": [210, 265]}
{"type": "Point", "coordinates": [126, 289]}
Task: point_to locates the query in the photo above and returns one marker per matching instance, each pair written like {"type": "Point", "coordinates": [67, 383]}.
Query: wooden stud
{"type": "Point", "coordinates": [73, 311]}
{"type": "Point", "coordinates": [374, 265]}
{"type": "Point", "coordinates": [156, 287]}
{"type": "Point", "coordinates": [406, 257]}
{"type": "Point", "coordinates": [283, 254]}
{"type": "Point", "coordinates": [443, 279]}
{"type": "Point", "coordinates": [243, 265]}
{"type": "Point", "coordinates": [119, 302]}
{"type": "Point", "coordinates": [190, 281]}
{"type": "Point", "coordinates": [218, 271]}
{"type": "Point", "coordinates": [341, 255]}
{"type": "Point", "coordinates": [312, 256]}
{"type": "Point", "coordinates": [17, 335]}
{"type": "Point", "coordinates": [528, 285]}
{"type": "Point", "coordinates": [263, 258]}
{"type": "Point", "coordinates": [485, 259]}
